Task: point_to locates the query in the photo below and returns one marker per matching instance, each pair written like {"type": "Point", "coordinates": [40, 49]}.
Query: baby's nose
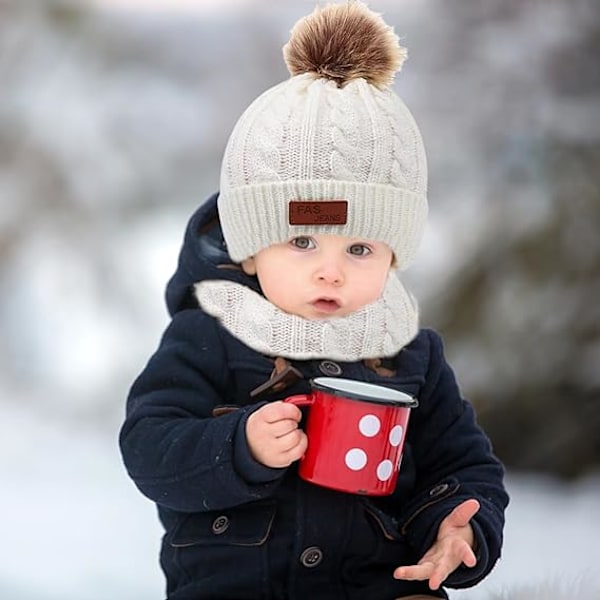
{"type": "Point", "coordinates": [330, 273]}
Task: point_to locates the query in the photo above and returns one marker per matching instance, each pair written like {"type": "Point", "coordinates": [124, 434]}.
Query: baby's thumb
{"type": "Point", "coordinates": [463, 513]}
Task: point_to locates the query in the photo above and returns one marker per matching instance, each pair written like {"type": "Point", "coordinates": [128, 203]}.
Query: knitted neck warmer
{"type": "Point", "coordinates": [378, 330]}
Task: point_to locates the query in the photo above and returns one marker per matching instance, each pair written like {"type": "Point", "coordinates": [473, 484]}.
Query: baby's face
{"type": "Point", "coordinates": [322, 276]}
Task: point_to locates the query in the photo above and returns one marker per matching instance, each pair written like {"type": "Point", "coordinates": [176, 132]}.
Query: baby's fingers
{"type": "Point", "coordinates": [468, 557]}
{"type": "Point", "coordinates": [418, 572]}
{"type": "Point", "coordinates": [449, 562]}
{"type": "Point", "coordinates": [437, 568]}
{"type": "Point", "coordinates": [435, 574]}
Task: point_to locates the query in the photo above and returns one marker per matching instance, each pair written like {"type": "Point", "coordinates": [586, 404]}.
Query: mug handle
{"type": "Point", "coordinates": [300, 399]}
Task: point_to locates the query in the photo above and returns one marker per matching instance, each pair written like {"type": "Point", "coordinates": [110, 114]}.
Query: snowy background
{"type": "Point", "coordinates": [113, 118]}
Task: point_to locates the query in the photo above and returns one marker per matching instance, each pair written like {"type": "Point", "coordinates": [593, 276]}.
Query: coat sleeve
{"type": "Point", "coordinates": [454, 461]}
{"type": "Point", "coordinates": [176, 452]}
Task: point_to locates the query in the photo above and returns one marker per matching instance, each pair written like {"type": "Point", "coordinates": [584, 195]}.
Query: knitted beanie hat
{"type": "Point", "coordinates": [331, 150]}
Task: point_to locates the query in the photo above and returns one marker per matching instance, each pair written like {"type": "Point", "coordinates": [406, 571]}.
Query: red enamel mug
{"type": "Point", "coordinates": [356, 434]}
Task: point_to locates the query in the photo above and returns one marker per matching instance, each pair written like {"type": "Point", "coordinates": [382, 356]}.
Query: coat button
{"type": "Point", "coordinates": [311, 557]}
{"type": "Point", "coordinates": [328, 367]}
{"type": "Point", "coordinates": [220, 525]}
{"type": "Point", "coordinates": [438, 490]}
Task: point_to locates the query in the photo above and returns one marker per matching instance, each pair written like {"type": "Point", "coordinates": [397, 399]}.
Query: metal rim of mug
{"type": "Point", "coordinates": [364, 391]}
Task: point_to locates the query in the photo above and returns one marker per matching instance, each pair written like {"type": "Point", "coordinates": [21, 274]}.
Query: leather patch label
{"type": "Point", "coordinates": [332, 212]}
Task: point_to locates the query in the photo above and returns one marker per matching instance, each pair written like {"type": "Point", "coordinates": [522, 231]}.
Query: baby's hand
{"type": "Point", "coordinates": [453, 547]}
{"type": "Point", "coordinates": [273, 435]}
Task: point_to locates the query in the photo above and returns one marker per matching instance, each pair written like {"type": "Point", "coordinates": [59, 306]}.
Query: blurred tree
{"type": "Point", "coordinates": [521, 314]}
{"type": "Point", "coordinates": [530, 309]}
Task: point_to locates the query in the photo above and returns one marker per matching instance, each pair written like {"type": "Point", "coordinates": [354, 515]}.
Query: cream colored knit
{"type": "Point", "coordinates": [380, 329]}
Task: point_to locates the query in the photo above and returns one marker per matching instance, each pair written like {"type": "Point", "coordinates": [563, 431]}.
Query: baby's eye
{"type": "Point", "coordinates": [359, 250]}
{"type": "Point", "coordinates": [303, 243]}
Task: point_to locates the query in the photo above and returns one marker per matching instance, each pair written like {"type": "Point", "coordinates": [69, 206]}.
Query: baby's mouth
{"type": "Point", "coordinates": [326, 305]}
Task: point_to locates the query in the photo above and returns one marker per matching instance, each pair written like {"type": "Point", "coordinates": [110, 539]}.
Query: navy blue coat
{"type": "Point", "coordinates": [237, 529]}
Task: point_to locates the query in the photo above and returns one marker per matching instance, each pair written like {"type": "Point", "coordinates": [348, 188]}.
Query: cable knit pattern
{"type": "Point", "coordinates": [347, 157]}
{"type": "Point", "coordinates": [408, 166]}
{"type": "Point", "coordinates": [380, 329]}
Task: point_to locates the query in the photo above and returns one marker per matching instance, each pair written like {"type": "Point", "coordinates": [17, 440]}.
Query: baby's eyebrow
{"type": "Point", "coordinates": [361, 241]}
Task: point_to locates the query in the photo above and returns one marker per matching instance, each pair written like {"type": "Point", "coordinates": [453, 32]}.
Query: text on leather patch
{"type": "Point", "coordinates": [333, 212]}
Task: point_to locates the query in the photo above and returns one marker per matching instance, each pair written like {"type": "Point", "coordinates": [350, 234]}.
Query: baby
{"type": "Point", "coordinates": [289, 273]}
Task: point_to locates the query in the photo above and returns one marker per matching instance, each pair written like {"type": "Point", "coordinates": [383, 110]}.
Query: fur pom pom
{"type": "Point", "coordinates": [342, 42]}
